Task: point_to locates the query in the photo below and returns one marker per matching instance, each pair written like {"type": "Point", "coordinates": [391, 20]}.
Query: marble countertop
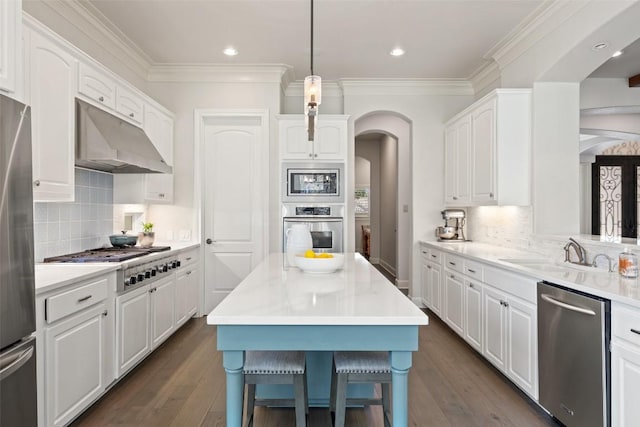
{"type": "Point", "coordinates": [54, 275]}
{"type": "Point", "coordinates": [358, 294]}
{"type": "Point", "coordinates": [589, 280]}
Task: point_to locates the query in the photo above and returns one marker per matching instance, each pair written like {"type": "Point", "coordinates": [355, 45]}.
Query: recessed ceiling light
{"type": "Point", "coordinates": [616, 54]}
{"type": "Point", "coordinates": [600, 46]}
{"type": "Point", "coordinates": [397, 52]}
{"type": "Point", "coordinates": [230, 51]}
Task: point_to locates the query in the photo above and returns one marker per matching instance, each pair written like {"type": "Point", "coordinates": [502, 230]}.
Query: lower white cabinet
{"type": "Point", "coordinates": [431, 280]}
{"type": "Point", "coordinates": [75, 341]}
{"type": "Point", "coordinates": [625, 365]}
{"type": "Point", "coordinates": [510, 339]}
{"type": "Point", "coordinates": [133, 325]}
{"type": "Point", "coordinates": [145, 318]}
{"type": "Point", "coordinates": [473, 313]}
{"type": "Point", "coordinates": [76, 365]}
{"type": "Point", "coordinates": [454, 301]}
{"type": "Point", "coordinates": [187, 291]}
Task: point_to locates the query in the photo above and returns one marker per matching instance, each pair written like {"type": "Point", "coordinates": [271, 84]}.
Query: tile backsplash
{"type": "Point", "coordinates": [86, 223]}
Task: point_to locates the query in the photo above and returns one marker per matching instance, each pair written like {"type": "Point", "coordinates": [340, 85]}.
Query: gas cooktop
{"type": "Point", "coordinates": [107, 254]}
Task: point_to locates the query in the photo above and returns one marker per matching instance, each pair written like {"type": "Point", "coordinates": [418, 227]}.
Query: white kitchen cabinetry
{"type": "Point", "coordinates": [498, 151]}
{"type": "Point", "coordinates": [133, 326]}
{"type": "Point", "coordinates": [453, 294]}
{"type": "Point", "coordinates": [96, 85]}
{"type": "Point", "coordinates": [473, 313]}
{"type": "Point", "coordinates": [158, 188]}
{"type": "Point", "coordinates": [10, 43]}
{"type": "Point", "coordinates": [330, 139]}
{"type": "Point", "coordinates": [145, 318]}
{"type": "Point", "coordinates": [129, 104]}
{"type": "Point", "coordinates": [625, 365]}
{"type": "Point", "coordinates": [510, 328]}
{"type": "Point", "coordinates": [431, 279]}
{"type": "Point", "coordinates": [75, 346]}
{"type": "Point", "coordinates": [456, 151]}
{"type": "Point", "coordinates": [187, 287]}
{"type": "Point", "coordinates": [52, 87]}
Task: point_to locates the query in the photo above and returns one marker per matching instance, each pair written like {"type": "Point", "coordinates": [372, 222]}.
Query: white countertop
{"type": "Point", "coordinates": [52, 276]}
{"type": "Point", "coordinates": [597, 282]}
{"type": "Point", "coordinates": [358, 294]}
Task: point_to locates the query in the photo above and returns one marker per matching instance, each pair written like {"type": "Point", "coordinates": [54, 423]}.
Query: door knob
{"type": "Point", "coordinates": [209, 241]}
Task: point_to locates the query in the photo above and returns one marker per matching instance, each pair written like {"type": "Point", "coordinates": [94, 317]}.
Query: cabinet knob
{"type": "Point", "coordinates": [161, 195]}
{"type": "Point", "coordinates": [315, 155]}
{"type": "Point", "coordinates": [131, 115]}
{"type": "Point", "coordinates": [310, 155]}
{"type": "Point", "coordinates": [36, 183]}
{"type": "Point", "coordinates": [471, 285]}
{"type": "Point", "coordinates": [209, 241]}
{"type": "Point", "coordinates": [491, 195]}
{"type": "Point", "coordinates": [105, 313]}
{"type": "Point", "coordinates": [635, 331]}
{"type": "Point", "coordinates": [429, 267]}
{"type": "Point", "coordinates": [101, 99]}
{"type": "Point", "coordinates": [455, 198]}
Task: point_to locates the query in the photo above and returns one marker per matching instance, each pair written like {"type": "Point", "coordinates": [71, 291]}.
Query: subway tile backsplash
{"type": "Point", "coordinates": [86, 223]}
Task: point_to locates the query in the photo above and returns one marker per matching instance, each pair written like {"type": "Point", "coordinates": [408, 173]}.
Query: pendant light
{"type": "Point", "coordinates": [312, 93]}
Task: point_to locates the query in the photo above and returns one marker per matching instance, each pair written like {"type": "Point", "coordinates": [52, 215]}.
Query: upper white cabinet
{"type": "Point", "coordinates": [330, 139]}
{"type": "Point", "coordinates": [10, 43]}
{"type": "Point", "coordinates": [158, 188]}
{"type": "Point", "coordinates": [52, 87]}
{"type": "Point", "coordinates": [456, 153]}
{"type": "Point", "coordinates": [487, 151]}
{"type": "Point", "coordinates": [97, 86]}
{"type": "Point", "coordinates": [129, 104]}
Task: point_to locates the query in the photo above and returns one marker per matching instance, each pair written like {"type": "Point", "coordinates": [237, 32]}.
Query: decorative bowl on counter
{"type": "Point", "coordinates": [320, 265]}
{"type": "Point", "coordinates": [123, 240]}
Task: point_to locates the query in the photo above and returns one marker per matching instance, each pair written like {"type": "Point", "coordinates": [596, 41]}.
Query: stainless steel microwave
{"type": "Point", "coordinates": [313, 182]}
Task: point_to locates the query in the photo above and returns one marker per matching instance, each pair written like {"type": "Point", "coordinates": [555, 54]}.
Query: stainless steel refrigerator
{"type": "Point", "coordinates": [17, 285]}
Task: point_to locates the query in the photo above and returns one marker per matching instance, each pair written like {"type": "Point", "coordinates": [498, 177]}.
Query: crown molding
{"type": "Point", "coordinates": [484, 76]}
{"type": "Point", "coordinates": [546, 18]}
{"type": "Point", "coordinates": [219, 73]}
{"type": "Point", "coordinates": [90, 22]}
{"type": "Point", "coordinates": [406, 87]}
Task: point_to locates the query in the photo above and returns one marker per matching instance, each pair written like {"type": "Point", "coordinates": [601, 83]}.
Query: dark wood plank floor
{"type": "Point", "coordinates": [183, 384]}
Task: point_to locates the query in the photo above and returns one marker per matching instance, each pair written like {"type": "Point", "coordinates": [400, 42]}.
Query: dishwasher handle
{"type": "Point", "coordinates": [554, 301]}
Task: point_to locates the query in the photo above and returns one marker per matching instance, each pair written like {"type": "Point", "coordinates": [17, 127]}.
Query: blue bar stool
{"type": "Point", "coordinates": [359, 367]}
{"type": "Point", "coordinates": [277, 367]}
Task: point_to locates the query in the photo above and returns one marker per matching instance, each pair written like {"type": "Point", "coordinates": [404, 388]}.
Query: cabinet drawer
{"type": "Point", "coordinates": [66, 303]}
{"type": "Point", "coordinates": [454, 263]}
{"type": "Point", "coordinates": [524, 287]}
{"type": "Point", "coordinates": [130, 105]}
{"type": "Point", "coordinates": [435, 256]}
{"type": "Point", "coordinates": [188, 258]}
{"type": "Point", "coordinates": [424, 252]}
{"type": "Point", "coordinates": [97, 86]}
{"type": "Point", "coordinates": [625, 323]}
{"type": "Point", "coordinates": [473, 269]}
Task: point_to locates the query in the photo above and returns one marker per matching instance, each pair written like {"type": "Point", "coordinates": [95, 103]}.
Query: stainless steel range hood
{"type": "Point", "coordinates": [106, 143]}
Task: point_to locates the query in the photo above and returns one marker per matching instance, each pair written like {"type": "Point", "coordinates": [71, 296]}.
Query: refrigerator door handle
{"type": "Point", "coordinates": [14, 362]}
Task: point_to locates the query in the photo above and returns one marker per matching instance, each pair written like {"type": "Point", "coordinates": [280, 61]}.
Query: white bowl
{"type": "Point", "coordinates": [320, 265]}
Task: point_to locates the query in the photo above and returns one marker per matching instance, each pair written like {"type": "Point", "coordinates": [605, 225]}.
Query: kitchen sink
{"type": "Point", "coordinates": [551, 266]}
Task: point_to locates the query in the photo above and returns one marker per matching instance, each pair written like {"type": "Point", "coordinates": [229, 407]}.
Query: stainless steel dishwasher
{"type": "Point", "coordinates": [573, 356]}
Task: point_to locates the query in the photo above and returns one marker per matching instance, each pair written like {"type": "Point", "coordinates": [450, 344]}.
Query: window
{"type": "Point", "coordinates": [362, 201]}
{"type": "Point", "coordinates": [614, 197]}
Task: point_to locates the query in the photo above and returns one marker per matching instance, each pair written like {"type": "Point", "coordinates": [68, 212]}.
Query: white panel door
{"type": "Point", "coordinates": [436, 290]}
{"type": "Point", "coordinates": [234, 204]}
{"type": "Point", "coordinates": [522, 328]}
{"type": "Point", "coordinates": [484, 148]}
{"type": "Point", "coordinates": [454, 302]}
{"type": "Point", "coordinates": [625, 387]}
{"type": "Point", "coordinates": [495, 345]}
{"type": "Point", "coordinates": [133, 328]}
{"type": "Point", "coordinates": [473, 314]}
{"type": "Point", "coordinates": [163, 309]}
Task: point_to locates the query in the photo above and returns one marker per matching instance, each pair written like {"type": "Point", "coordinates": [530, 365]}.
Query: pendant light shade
{"type": "Point", "coordinates": [312, 93]}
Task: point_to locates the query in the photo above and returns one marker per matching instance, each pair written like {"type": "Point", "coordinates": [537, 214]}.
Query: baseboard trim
{"type": "Point", "coordinates": [402, 284]}
{"type": "Point", "coordinates": [390, 269]}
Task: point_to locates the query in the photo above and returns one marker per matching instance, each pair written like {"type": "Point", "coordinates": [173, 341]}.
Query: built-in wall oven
{"type": "Point", "coordinates": [325, 223]}
{"type": "Point", "coordinates": [313, 183]}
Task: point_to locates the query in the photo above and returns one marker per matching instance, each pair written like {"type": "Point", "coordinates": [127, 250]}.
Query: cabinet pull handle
{"type": "Point", "coordinates": [470, 270]}
{"type": "Point", "coordinates": [101, 99]}
{"type": "Point", "coordinates": [188, 272]}
{"type": "Point", "coordinates": [635, 331]}
{"type": "Point", "coordinates": [188, 259]}
{"type": "Point", "coordinates": [433, 256]}
{"type": "Point", "coordinates": [424, 252]}
{"type": "Point", "coordinates": [452, 263]}
{"type": "Point", "coordinates": [104, 313]}
{"type": "Point", "coordinates": [84, 298]}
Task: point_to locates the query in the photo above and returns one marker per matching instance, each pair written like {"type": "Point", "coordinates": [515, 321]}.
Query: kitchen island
{"type": "Point", "coordinates": [355, 308]}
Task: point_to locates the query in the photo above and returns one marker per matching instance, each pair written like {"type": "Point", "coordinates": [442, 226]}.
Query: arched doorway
{"type": "Point", "coordinates": [391, 232]}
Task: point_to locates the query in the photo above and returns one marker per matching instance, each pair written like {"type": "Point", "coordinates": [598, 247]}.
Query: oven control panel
{"type": "Point", "coordinates": [148, 272]}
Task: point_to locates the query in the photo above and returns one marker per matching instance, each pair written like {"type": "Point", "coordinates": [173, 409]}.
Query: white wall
{"type": "Point", "coordinates": [362, 179]}
{"type": "Point", "coordinates": [427, 111]}
{"type": "Point", "coordinates": [183, 98]}
{"type": "Point", "coordinates": [388, 203]}
{"type": "Point", "coordinates": [600, 92]}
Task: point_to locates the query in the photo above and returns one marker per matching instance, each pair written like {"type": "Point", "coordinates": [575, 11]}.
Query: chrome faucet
{"type": "Point", "coordinates": [609, 259]}
{"type": "Point", "coordinates": [580, 252]}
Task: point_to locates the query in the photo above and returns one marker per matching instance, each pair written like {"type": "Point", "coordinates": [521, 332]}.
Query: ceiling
{"type": "Point", "coordinates": [624, 66]}
{"type": "Point", "coordinates": [352, 38]}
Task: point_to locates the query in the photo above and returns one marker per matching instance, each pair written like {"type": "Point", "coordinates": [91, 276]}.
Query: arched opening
{"type": "Point", "coordinates": [384, 140]}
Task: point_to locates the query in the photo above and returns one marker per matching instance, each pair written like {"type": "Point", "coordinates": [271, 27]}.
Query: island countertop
{"type": "Point", "coordinates": [358, 294]}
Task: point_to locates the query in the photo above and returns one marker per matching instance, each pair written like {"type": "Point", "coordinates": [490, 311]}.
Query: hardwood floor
{"type": "Point", "coordinates": [183, 384]}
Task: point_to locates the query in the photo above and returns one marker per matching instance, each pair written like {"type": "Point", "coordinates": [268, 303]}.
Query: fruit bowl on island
{"type": "Point", "coordinates": [310, 262]}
